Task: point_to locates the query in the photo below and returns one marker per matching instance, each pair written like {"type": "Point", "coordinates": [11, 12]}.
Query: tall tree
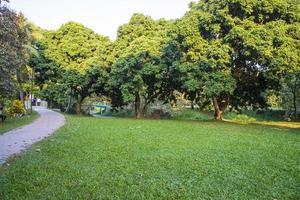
{"type": "Point", "coordinates": [290, 95]}
{"type": "Point", "coordinates": [13, 51]}
{"type": "Point", "coordinates": [205, 62]}
{"type": "Point", "coordinates": [136, 74]}
{"type": "Point", "coordinates": [250, 41]}
{"type": "Point", "coordinates": [76, 49]}
{"type": "Point", "coordinates": [138, 78]}
{"type": "Point", "coordinates": [23, 55]}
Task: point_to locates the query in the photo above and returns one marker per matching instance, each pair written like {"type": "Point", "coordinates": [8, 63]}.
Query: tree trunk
{"type": "Point", "coordinates": [218, 115]}
{"type": "Point", "coordinates": [144, 110]}
{"type": "Point", "coordinates": [21, 92]}
{"type": "Point", "coordinates": [78, 108]}
{"type": "Point", "coordinates": [295, 99]}
{"type": "Point", "coordinates": [21, 96]}
{"type": "Point", "coordinates": [79, 105]}
{"type": "Point", "coordinates": [137, 108]}
{"type": "Point", "coordinates": [192, 105]}
{"type": "Point", "coordinates": [218, 112]}
{"type": "Point", "coordinates": [69, 104]}
{"type": "Point", "coordinates": [219, 108]}
{"type": "Point", "coordinates": [50, 103]}
{"type": "Point", "coordinates": [295, 104]}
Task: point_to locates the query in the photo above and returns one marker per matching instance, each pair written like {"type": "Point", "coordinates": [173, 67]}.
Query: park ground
{"type": "Point", "coordinates": [15, 122]}
{"type": "Point", "coordinates": [92, 158]}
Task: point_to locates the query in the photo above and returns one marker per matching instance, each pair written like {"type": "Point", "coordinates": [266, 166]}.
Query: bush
{"type": "Point", "coordinates": [259, 115]}
{"type": "Point", "coordinates": [230, 115]}
{"type": "Point", "coordinates": [160, 114]}
{"type": "Point", "coordinates": [189, 114]}
{"type": "Point", "coordinates": [16, 109]}
{"type": "Point", "coordinates": [125, 113]}
{"type": "Point", "coordinates": [245, 119]}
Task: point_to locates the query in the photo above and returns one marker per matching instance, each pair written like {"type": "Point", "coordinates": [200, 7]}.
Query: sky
{"type": "Point", "coordinates": [103, 16]}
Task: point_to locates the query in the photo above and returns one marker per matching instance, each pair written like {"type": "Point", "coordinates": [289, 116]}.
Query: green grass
{"type": "Point", "coordinates": [15, 122]}
{"type": "Point", "coordinates": [165, 159]}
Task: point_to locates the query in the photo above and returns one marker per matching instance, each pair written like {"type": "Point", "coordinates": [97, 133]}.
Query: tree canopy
{"type": "Point", "coordinates": [13, 52]}
{"type": "Point", "coordinates": [247, 44]}
{"type": "Point", "coordinates": [220, 54]}
{"type": "Point", "coordinates": [76, 47]}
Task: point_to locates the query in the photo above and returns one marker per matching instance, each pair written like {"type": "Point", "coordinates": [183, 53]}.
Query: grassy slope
{"type": "Point", "coordinates": [11, 123]}
{"type": "Point", "coordinates": [127, 159]}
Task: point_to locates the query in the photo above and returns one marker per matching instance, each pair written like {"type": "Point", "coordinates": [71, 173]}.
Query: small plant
{"type": "Point", "coordinates": [230, 115]}
{"type": "Point", "coordinates": [189, 114]}
{"type": "Point", "coordinates": [16, 109]}
{"type": "Point", "coordinates": [245, 119]}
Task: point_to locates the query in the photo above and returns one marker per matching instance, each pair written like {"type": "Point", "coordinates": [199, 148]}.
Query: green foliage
{"type": "Point", "coordinates": [70, 64]}
{"type": "Point", "coordinates": [247, 45]}
{"type": "Point", "coordinates": [220, 53]}
{"type": "Point", "coordinates": [124, 113]}
{"type": "Point", "coordinates": [75, 47]}
{"type": "Point", "coordinates": [259, 115]}
{"type": "Point", "coordinates": [55, 93]}
{"type": "Point", "coordinates": [141, 34]}
{"type": "Point", "coordinates": [290, 95]}
{"type": "Point", "coordinates": [16, 108]}
{"type": "Point", "coordinates": [189, 114]}
{"type": "Point", "coordinates": [72, 87]}
{"type": "Point", "coordinates": [13, 51]}
{"type": "Point", "coordinates": [244, 119]}
{"type": "Point", "coordinates": [138, 78]}
{"type": "Point", "coordinates": [44, 69]}
{"type": "Point", "coordinates": [273, 100]}
{"type": "Point", "coordinates": [136, 75]}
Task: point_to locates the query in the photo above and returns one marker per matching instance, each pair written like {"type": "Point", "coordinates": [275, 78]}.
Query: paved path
{"type": "Point", "coordinates": [17, 140]}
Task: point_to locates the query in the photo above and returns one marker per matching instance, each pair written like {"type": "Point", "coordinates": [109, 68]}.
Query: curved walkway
{"type": "Point", "coordinates": [17, 140]}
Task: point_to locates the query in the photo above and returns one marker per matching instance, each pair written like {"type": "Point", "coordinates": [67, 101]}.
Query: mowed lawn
{"type": "Point", "coordinates": [93, 158]}
{"type": "Point", "coordinates": [15, 122]}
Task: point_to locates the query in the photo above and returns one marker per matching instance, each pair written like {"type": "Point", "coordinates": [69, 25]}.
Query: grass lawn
{"type": "Point", "coordinates": [93, 158]}
{"type": "Point", "coordinates": [14, 122]}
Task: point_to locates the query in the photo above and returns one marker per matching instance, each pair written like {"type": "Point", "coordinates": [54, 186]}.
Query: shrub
{"type": "Point", "coordinates": [230, 115]}
{"type": "Point", "coordinates": [16, 109]}
{"type": "Point", "coordinates": [160, 114]}
{"type": "Point", "coordinates": [244, 119]}
{"type": "Point", "coordinates": [126, 113]}
{"type": "Point", "coordinates": [189, 114]}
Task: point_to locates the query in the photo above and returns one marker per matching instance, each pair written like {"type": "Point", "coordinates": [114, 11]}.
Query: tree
{"type": "Point", "coordinates": [205, 62]}
{"type": "Point", "coordinates": [140, 28]}
{"type": "Point", "coordinates": [290, 94]}
{"type": "Point", "coordinates": [44, 69]}
{"type": "Point", "coordinates": [237, 40]}
{"type": "Point", "coordinates": [264, 47]}
{"type": "Point", "coordinates": [76, 49]}
{"type": "Point", "coordinates": [22, 55]}
{"type": "Point", "coordinates": [136, 72]}
{"type": "Point", "coordinates": [83, 85]}
{"type": "Point", "coordinates": [13, 51]}
{"type": "Point", "coordinates": [139, 80]}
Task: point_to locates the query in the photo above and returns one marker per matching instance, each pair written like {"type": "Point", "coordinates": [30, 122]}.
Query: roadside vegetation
{"type": "Point", "coordinates": [16, 122]}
